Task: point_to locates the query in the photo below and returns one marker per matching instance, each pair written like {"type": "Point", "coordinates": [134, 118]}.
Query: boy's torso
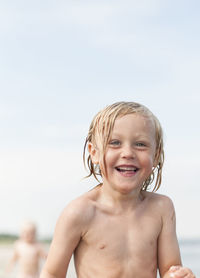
{"type": "Point", "coordinates": [28, 259]}
{"type": "Point", "coordinates": [120, 245]}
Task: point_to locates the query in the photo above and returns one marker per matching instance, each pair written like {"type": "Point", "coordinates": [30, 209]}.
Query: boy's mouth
{"type": "Point", "coordinates": [126, 168]}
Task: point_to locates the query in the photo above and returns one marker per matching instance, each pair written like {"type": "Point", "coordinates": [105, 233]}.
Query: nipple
{"type": "Point", "coordinates": [102, 246]}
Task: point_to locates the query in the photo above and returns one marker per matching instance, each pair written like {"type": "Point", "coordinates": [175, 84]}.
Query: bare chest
{"type": "Point", "coordinates": [128, 240]}
{"type": "Point", "coordinates": [119, 247]}
{"type": "Point", "coordinates": [28, 252]}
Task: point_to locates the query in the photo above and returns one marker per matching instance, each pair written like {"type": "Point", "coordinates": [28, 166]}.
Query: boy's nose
{"type": "Point", "coordinates": [128, 152]}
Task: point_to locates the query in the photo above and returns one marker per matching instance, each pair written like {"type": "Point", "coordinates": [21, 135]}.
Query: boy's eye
{"type": "Point", "coordinates": [140, 144]}
{"type": "Point", "coordinates": [114, 143]}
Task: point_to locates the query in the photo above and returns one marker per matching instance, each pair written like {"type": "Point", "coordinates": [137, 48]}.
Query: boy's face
{"type": "Point", "coordinates": [28, 234]}
{"type": "Point", "coordinates": [130, 153]}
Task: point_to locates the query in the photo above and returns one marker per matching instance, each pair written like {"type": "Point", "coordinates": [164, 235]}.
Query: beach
{"type": "Point", "coordinates": [190, 251]}
{"type": "Point", "coordinates": [6, 250]}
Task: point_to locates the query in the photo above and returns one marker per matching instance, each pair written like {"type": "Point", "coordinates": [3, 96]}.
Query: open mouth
{"type": "Point", "coordinates": [126, 169]}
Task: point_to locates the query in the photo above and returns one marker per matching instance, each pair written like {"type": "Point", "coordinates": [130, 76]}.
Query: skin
{"type": "Point", "coordinates": [28, 253]}
{"type": "Point", "coordinates": [116, 230]}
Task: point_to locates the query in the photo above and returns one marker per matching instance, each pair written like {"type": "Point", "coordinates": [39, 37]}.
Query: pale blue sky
{"type": "Point", "coordinates": [63, 61]}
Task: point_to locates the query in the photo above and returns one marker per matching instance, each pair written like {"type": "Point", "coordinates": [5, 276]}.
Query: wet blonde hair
{"type": "Point", "coordinates": [101, 129]}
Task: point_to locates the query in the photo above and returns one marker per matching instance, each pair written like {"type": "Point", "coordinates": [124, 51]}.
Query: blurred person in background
{"type": "Point", "coordinates": [28, 252]}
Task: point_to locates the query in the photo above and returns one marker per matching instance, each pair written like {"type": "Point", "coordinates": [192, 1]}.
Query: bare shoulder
{"type": "Point", "coordinates": [160, 202]}
{"type": "Point", "coordinates": [79, 211]}
{"type": "Point", "coordinates": [18, 243]}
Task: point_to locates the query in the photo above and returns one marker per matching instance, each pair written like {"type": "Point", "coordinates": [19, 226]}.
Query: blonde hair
{"type": "Point", "coordinates": [101, 127]}
{"type": "Point", "coordinates": [28, 225]}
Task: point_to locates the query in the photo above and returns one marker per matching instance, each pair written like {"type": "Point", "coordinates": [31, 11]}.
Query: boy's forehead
{"type": "Point", "coordinates": [28, 227]}
{"type": "Point", "coordinates": [134, 118]}
{"type": "Point", "coordinates": [138, 124]}
{"type": "Point", "coordinates": [118, 126]}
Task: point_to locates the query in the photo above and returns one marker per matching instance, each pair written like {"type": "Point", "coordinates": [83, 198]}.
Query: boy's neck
{"type": "Point", "coordinates": [121, 202]}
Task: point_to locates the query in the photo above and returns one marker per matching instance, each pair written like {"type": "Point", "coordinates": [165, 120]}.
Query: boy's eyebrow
{"type": "Point", "coordinates": [140, 136]}
{"type": "Point", "coordinates": [115, 134]}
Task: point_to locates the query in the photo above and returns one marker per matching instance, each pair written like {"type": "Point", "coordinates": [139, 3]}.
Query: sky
{"type": "Point", "coordinates": [63, 61]}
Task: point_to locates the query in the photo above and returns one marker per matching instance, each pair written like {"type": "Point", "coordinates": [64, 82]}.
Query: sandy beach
{"type": "Point", "coordinates": [5, 255]}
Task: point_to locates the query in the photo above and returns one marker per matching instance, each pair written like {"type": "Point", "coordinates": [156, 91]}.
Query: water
{"type": "Point", "coordinates": [190, 253]}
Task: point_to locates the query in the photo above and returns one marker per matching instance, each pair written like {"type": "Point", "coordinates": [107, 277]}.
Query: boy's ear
{"type": "Point", "coordinates": [94, 153]}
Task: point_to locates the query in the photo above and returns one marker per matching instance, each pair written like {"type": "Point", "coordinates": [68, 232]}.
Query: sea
{"type": "Point", "coordinates": [190, 253]}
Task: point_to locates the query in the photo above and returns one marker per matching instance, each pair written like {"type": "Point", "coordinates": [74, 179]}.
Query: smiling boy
{"type": "Point", "coordinates": [119, 229]}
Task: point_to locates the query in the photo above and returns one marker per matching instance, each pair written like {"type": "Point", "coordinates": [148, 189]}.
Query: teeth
{"type": "Point", "coordinates": [126, 168]}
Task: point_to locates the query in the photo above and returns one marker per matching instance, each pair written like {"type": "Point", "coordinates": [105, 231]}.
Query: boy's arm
{"type": "Point", "coordinates": [169, 259]}
{"type": "Point", "coordinates": [168, 248]}
{"type": "Point", "coordinates": [13, 259]}
{"type": "Point", "coordinates": [67, 235]}
{"type": "Point", "coordinates": [42, 252]}
{"type": "Point", "coordinates": [179, 272]}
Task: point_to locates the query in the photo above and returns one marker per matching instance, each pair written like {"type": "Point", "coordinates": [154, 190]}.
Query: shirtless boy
{"type": "Point", "coordinates": [119, 229]}
{"type": "Point", "coordinates": [28, 252]}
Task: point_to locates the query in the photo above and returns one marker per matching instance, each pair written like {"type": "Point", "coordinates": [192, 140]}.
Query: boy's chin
{"type": "Point", "coordinates": [127, 189]}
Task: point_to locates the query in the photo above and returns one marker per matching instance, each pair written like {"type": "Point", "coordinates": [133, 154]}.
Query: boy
{"type": "Point", "coordinates": [119, 229]}
{"type": "Point", "coordinates": [28, 252]}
